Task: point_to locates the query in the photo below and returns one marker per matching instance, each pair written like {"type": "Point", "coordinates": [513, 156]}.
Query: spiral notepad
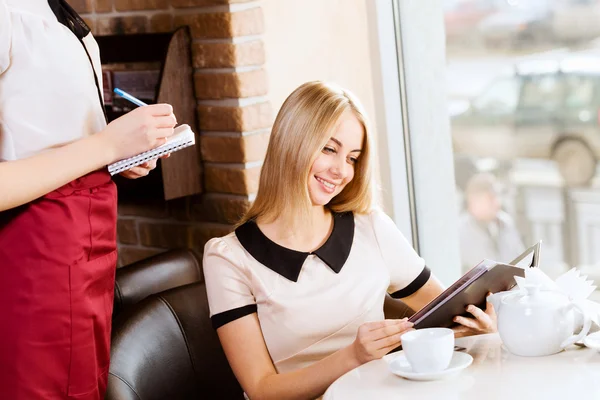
{"type": "Point", "coordinates": [182, 137]}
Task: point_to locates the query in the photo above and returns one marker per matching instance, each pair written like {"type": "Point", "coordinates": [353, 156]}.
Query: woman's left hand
{"type": "Point", "coordinates": [141, 170]}
{"type": "Point", "coordinates": [483, 321]}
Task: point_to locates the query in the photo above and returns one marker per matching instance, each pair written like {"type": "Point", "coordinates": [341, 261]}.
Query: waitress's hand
{"type": "Point", "coordinates": [140, 130]}
{"type": "Point", "coordinates": [482, 321]}
{"type": "Point", "coordinates": [375, 339]}
{"type": "Point", "coordinates": [142, 169]}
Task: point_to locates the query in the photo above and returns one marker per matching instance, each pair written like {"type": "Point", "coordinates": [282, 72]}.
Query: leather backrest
{"type": "Point", "coordinates": [165, 348]}
{"type": "Point", "coordinates": [161, 272]}
{"type": "Point", "coordinates": [395, 308]}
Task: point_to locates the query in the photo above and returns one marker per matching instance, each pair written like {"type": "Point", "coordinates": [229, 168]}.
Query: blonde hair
{"type": "Point", "coordinates": [302, 128]}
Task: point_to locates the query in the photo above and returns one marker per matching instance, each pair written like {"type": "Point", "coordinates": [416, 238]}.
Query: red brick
{"type": "Point", "coordinates": [231, 84]}
{"type": "Point", "coordinates": [223, 208]}
{"type": "Point", "coordinates": [237, 149]}
{"type": "Point", "coordinates": [224, 24]}
{"type": "Point", "coordinates": [220, 55]}
{"type": "Point", "coordinates": [161, 23]}
{"type": "Point", "coordinates": [81, 6]}
{"type": "Point", "coordinates": [235, 119]}
{"type": "Point", "coordinates": [223, 179]}
{"type": "Point", "coordinates": [103, 6]}
{"type": "Point", "coordinates": [129, 5]}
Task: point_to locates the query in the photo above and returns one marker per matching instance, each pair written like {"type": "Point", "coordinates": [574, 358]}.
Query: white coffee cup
{"type": "Point", "coordinates": [428, 350]}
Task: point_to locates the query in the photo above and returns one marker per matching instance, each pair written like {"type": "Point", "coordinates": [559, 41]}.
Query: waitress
{"type": "Point", "coordinates": [58, 203]}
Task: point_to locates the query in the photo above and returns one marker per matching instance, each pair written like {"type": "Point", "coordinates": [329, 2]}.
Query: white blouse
{"type": "Point", "coordinates": [311, 304]}
{"type": "Point", "coordinates": [48, 95]}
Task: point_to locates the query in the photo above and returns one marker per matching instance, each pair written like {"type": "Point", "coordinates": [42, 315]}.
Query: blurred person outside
{"type": "Point", "coordinates": [485, 230]}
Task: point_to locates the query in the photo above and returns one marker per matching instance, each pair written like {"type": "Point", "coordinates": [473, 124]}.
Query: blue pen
{"type": "Point", "coordinates": [129, 97]}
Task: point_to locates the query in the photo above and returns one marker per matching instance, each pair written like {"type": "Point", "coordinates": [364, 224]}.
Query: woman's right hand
{"type": "Point", "coordinates": [140, 130]}
{"type": "Point", "coordinates": [376, 339]}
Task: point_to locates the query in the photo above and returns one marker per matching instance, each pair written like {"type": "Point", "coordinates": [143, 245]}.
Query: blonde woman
{"type": "Point", "coordinates": [296, 292]}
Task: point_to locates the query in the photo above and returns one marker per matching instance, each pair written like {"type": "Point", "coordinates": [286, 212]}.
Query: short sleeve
{"type": "Point", "coordinates": [227, 284]}
{"type": "Point", "coordinates": [5, 36]}
{"type": "Point", "coordinates": [407, 269]}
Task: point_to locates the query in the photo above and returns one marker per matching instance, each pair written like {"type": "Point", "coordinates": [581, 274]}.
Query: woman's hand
{"type": "Point", "coordinates": [376, 339]}
{"type": "Point", "coordinates": [483, 321]}
{"type": "Point", "coordinates": [141, 170]}
{"type": "Point", "coordinates": [140, 130]}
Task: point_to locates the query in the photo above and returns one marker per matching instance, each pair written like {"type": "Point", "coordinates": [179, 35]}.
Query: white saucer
{"type": "Point", "coordinates": [592, 341]}
{"type": "Point", "coordinates": [400, 366]}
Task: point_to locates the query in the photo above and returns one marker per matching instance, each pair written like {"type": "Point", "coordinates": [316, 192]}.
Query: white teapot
{"type": "Point", "coordinates": [537, 322]}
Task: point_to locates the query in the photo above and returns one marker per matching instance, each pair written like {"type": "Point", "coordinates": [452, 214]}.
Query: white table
{"type": "Point", "coordinates": [494, 374]}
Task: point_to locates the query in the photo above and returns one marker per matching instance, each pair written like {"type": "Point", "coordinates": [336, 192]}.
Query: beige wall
{"type": "Point", "coordinates": [317, 40]}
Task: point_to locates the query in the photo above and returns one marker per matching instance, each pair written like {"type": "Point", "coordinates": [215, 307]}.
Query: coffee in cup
{"type": "Point", "coordinates": [428, 350]}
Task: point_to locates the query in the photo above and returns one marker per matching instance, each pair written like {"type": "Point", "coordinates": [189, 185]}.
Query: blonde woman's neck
{"type": "Point", "coordinates": [304, 235]}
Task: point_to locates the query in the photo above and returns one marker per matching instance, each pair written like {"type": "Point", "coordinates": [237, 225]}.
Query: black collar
{"type": "Point", "coordinates": [287, 262]}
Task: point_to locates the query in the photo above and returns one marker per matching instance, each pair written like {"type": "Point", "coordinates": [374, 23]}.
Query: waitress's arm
{"type": "Point", "coordinates": [142, 129]}
{"type": "Point", "coordinates": [27, 179]}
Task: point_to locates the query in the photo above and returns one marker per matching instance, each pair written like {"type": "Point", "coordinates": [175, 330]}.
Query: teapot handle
{"type": "Point", "coordinates": [587, 324]}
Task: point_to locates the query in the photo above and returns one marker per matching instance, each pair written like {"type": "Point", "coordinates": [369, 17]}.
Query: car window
{"type": "Point", "coordinates": [500, 98]}
{"type": "Point", "coordinates": [579, 91]}
{"type": "Point", "coordinates": [541, 92]}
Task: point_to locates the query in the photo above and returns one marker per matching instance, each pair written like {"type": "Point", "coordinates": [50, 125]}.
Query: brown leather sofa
{"type": "Point", "coordinates": [155, 274]}
{"type": "Point", "coordinates": [166, 348]}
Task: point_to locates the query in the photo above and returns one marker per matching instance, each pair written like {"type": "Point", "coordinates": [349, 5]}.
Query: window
{"type": "Point", "coordinates": [541, 92]}
{"type": "Point", "coordinates": [579, 91]}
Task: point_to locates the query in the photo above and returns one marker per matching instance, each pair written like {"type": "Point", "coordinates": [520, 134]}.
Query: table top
{"type": "Point", "coordinates": [494, 374]}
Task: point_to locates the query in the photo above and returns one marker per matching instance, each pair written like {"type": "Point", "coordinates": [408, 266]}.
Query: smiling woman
{"type": "Point", "coordinates": [308, 135]}
{"type": "Point", "coordinates": [334, 167]}
{"type": "Point", "coordinates": [311, 241]}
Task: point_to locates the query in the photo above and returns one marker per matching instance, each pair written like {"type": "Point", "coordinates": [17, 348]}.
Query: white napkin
{"type": "Point", "coordinates": [571, 283]}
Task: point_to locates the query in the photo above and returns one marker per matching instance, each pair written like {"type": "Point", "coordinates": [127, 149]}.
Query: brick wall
{"type": "Point", "coordinates": [235, 117]}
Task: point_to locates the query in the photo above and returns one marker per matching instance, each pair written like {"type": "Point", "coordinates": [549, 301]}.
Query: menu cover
{"type": "Point", "coordinates": [472, 288]}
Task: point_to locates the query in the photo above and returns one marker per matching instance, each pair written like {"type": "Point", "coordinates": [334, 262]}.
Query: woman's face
{"type": "Point", "coordinates": [334, 166]}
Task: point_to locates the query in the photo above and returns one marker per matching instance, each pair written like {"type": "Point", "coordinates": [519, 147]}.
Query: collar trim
{"type": "Point", "coordinates": [287, 262]}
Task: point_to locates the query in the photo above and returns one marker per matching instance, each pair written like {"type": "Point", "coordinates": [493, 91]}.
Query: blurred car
{"type": "Point", "coordinates": [541, 109]}
{"type": "Point", "coordinates": [516, 25]}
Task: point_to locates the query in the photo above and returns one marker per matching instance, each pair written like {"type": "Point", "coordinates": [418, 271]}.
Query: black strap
{"type": "Point", "coordinates": [69, 18]}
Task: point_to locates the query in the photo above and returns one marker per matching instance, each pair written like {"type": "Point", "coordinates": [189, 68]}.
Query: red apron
{"type": "Point", "coordinates": [57, 270]}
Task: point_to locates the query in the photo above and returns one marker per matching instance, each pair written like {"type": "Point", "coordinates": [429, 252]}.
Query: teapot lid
{"type": "Point", "coordinates": [533, 296]}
